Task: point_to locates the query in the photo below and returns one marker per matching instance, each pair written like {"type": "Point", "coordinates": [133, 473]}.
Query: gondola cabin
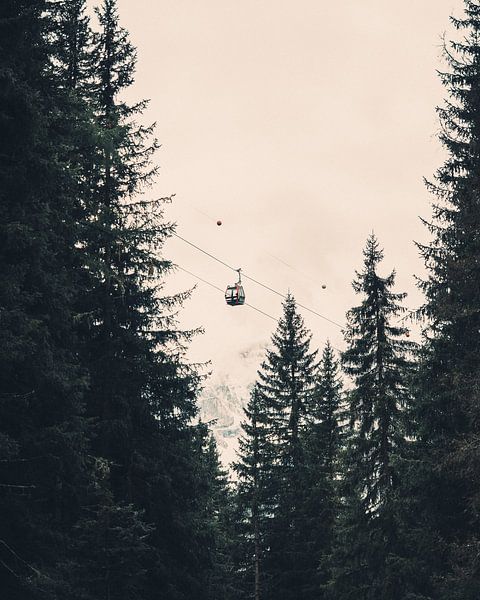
{"type": "Point", "coordinates": [235, 294]}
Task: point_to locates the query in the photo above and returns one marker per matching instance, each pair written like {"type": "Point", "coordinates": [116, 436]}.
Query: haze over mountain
{"type": "Point", "coordinates": [226, 393]}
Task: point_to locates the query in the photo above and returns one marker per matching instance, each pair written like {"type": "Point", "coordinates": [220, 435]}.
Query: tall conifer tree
{"type": "Point", "coordinates": [447, 478]}
{"type": "Point", "coordinates": [323, 444]}
{"type": "Point", "coordinates": [286, 381]}
{"type": "Point", "coordinates": [71, 39]}
{"type": "Point", "coordinates": [142, 393]}
{"type": "Point", "coordinates": [272, 465]}
{"type": "Point", "coordinates": [123, 509]}
{"type": "Point", "coordinates": [254, 499]}
{"type": "Point", "coordinates": [42, 429]}
{"type": "Point", "coordinates": [377, 359]}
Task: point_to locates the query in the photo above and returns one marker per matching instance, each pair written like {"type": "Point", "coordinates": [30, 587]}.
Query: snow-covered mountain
{"type": "Point", "coordinates": [225, 394]}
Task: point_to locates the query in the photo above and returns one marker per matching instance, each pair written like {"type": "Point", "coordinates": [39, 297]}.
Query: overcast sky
{"type": "Point", "coordinates": [303, 125]}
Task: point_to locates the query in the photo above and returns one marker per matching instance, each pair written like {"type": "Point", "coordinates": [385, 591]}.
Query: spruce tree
{"type": "Point", "coordinates": [287, 382]}
{"type": "Point", "coordinates": [272, 466]}
{"type": "Point", "coordinates": [254, 501]}
{"type": "Point", "coordinates": [446, 480]}
{"type": "Point", "coordinates": [84, 323]}
{"type": "Point", "coordinates": [142, 393]}
{"type": "Point", "coordinates": [71, 39]}
{"type": "Point", "coordinates": [42, 428]}
{"type": "Point", "coordinates": [121, 233]}
{"type": "Point", "coordinates": [328, 411]}
{"type": "Point", "coordinates": [377, 359]}
{"type": "Point", "coordinates": [216, 518]}
{"type": "Point", "coordinates": [111, 548]}
{"type": "Point", "coordinates": [323, 445]}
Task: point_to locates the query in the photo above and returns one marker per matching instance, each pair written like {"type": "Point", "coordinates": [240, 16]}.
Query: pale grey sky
{"type": "Point", "coordinates": [303, 125]}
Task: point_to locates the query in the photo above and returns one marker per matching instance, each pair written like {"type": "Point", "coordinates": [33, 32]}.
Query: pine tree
{"type": "Point", "coordinates": [84, 322]}
{"type": "Point", "coordinates": [328, 410]}
{"type": "Point", "coordinates": [110, 550]}
{"type": "Point", "coordinates": [119, 307]}
{"type": "Point", "coordinates": [255, 505]}
{"type": "Point", "coordinates": [142, 393]}
{"type": "Point", "coordinates": [215, 518]}
{"type": "Point", "coordinates": [323, 444]}
{"type": "Point", "coordinates": [377, 359]}
{"type": "Point", "coordinates": [71, 39]}
{"type": "Point", "coordinates": [42, 428]}
{"type": "Point", "coordinates": [272, 465]}
{"type": "Point", "coordinates": [287, 381]}
{"type": "Point", "coordinates": [447, 415]}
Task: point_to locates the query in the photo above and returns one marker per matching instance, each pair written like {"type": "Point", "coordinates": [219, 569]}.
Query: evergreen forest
{"type": "Point", "coordinates": [358, 472]}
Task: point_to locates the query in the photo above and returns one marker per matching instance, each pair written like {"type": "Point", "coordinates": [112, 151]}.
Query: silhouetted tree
{"type": "Point", "coordinates": [446, 480]}
{"type": "Point", "coordinates": [377, 359]}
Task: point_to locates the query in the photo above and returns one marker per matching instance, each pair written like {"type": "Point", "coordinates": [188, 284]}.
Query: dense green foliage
{"type": "Point", "coordinates": [106, 484]}
{"type": "Point", "coordinates": [407, 507]}
{"type": "Point", "coordinates": [447, 407]}
{"type": "Point", "coordinates": [287, 467]}
{"type": "Point", "coordinates": [286, 385]}
{"type": "Point", "coordinates": [44, 433]}
{"type": "Point", "coordinates": [366, 560]}
{"type": "Point", "coordinates": [324, 441]}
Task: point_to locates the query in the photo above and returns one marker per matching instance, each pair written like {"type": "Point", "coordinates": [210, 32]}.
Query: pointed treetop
{"type": "Point", "coordinates": [329, 368]}
{"type": "Point", "coordinates": [372, 252]}
{"type": "Point", "coordinates": [328, 351]}
{"type": "Point", "coordinates": [291, 327]}
{"type": "Point", "coordinates": [368, 280]}
{"type": "Point", "coordinates": [289, 304]}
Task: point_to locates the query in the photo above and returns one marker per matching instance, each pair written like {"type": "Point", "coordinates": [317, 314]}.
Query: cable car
{"type": "Point", "coordinates": [234, 294]}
